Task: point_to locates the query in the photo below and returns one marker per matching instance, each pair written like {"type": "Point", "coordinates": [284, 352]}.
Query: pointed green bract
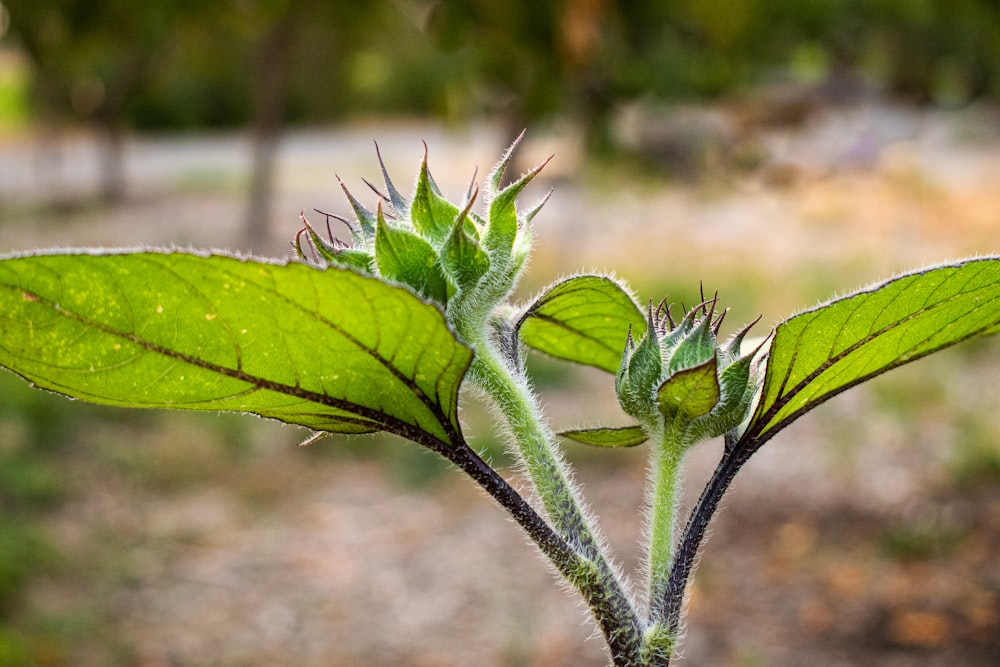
{"type": "Point", "coordinates": [396, 199]}
{"type": "Point", "coordinates": [821, 352]}
{"type": "Point", "coordinates": [625, 436]}
{"type": "Point", "coordinates": [695, 348]}
{"type": "Point", "coordinates": [366, 219]}
{"type": "Point", "coordinates": [463, 258]}
{"type": "Point", "coordinates": [340, 256]}
{"type": "Point", "coordinates": [689, 393]}
{"type": "Point", "coordinates": [639, 375]}
{"type": "Point", "coordinates": [502, 231]}
{"type": "Point", "coordinates": [330, 349]}
{"type": "Point", "coordinates": [736, 394]}
{"type": "Point", "coordinates": [405, 257]}
{"type": "Point", "coordinates": [357, 259]}
{"type": "Point", "coordinates": [431, 214]}
{"type": "Point", "coordinates": [583, 319]}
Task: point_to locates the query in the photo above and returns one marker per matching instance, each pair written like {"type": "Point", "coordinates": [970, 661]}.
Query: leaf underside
{"type": "Point", "coordinates": [625, 436]}
{"type": "Point", "coordinates": [330, 349]}
{"type": "Point", "coordinates": [821, 352]}
{"type": "Point", "coordinates": [583, 319]}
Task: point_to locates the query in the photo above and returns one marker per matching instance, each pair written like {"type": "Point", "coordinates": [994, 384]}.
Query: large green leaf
{"type": "Point", "coordinates": [823, 351]}
{"type": "Point", "coordinates": [329, 349]}
{"type": "Point", "coordinates": [583, 319]}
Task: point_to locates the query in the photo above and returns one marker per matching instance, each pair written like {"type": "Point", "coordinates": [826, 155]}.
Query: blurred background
{"type": "Point", "coordinates": [781, 153]}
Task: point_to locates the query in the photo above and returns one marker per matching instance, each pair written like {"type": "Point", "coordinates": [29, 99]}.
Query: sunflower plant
{"type": "Point", "coordinates": [381, 332]}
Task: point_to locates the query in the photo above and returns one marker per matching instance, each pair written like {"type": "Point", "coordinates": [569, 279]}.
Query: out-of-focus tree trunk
{"type": "Point", "coordinates": [273, 65]}
{"type": "Point", "coordinates": [581, 28]}
{"type": "Point", "coordinates": [111, 142]}
{"type": "Point", "coordinates": [109, 120]}
{"type": "Point", "coordinates": [48, 158]}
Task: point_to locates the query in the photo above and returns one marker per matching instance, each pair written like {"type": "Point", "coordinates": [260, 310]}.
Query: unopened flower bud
{"type": "Point", "coordinates": [434, 246]}
{"type": "Point", "coordinates": [679, 377]}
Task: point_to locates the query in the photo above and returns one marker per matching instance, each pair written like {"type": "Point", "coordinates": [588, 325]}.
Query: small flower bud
{"type": "Point", "coordinates": [679, 377]}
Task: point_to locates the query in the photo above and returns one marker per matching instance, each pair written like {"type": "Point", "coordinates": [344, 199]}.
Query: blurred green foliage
{"type": "Point", "coordinates": [31, 484]}
{"type": "Point", "coordinates": [183, 64]}
{"type": "Point", "coordinates": [22, 552]}
{"type": "Point", "coordinates": [921, 540]}
{"type": "Point", "coordinates": [13, 99]}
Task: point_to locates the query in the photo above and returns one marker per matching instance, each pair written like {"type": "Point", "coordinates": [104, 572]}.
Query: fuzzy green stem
{"type": "Point", "coordinates": [593, 576]}
{"type": "Point", "coordinates": [668, 457]}
{"type": "Point", "coordinates": [498, 375]}
{"type": "Point", "coordinates": [541, 461]}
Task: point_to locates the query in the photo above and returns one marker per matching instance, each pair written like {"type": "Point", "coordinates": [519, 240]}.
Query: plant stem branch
{"type": "Point", "coordinates": [611, 608]}
{"type": "Point", "coordinates": [694, 534]}
{"type": "Point", "coordinates": [591, 572]}
{"type": "Point", "coordinates": [541, 533]}
{"type": "Point", "coordinates": [542, 463]}
{"type": "Point", "coordinates": [668, 455]}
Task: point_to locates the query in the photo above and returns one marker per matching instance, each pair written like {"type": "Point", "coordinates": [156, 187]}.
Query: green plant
{"type": "Point", "coordinates": [381, 334]}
